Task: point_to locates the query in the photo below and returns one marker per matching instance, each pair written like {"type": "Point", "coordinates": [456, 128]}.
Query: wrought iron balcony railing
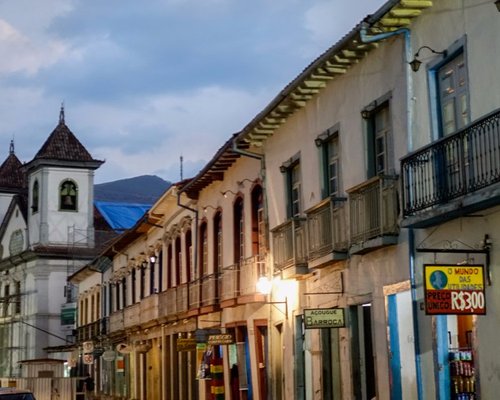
{"type": "Point", "coordinates": [326, 228]}
{"type": "Point", "coordinates": [453, 166]}
{"type": "Point", "coordinates": [290, 244]}
{"type": "Point", "coordinates": [373, 209]}
{"type": "Point", "coordinates": [209, 290]}
{"type": "Point", "coordinates": [230, 282]}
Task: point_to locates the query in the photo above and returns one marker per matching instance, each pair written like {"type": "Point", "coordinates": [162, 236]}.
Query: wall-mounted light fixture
{"type": "Point", "coordinates": [416, 63]}
{"type": "Point", "coordinates": [152, 258]}
{"type": "Point", "coordinates": [205, 208]}
{"type": "Point", "coordinates": [497, 3]}
{"type": "Point", "coordinates": [264, 286]}
{"type": "Point", "coordinates": [225, 192]}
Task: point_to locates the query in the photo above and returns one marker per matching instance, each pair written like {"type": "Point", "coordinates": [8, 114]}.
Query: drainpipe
{"type": "Point", "coordinates": [411, 236]}
{"type": "Point", "coordinates": [260, 157]}
{"type": "Point", "coordinates": [195, 241]}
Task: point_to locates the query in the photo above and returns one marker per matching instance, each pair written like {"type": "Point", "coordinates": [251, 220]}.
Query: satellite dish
{"type": "Point", "coordinates": [123, 348]}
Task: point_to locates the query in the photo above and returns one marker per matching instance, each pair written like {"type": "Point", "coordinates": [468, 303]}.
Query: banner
{"type": "Point", "coordinates": [454, 289]}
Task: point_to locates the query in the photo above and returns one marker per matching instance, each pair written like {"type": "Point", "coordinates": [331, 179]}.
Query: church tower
{"type": "Point", "coordinates": [60, 192]}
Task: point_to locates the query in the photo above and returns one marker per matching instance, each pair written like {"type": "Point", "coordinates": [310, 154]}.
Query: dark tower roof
{"type": "Point", "coordinates": [12, 177]}
{"type": "Point", "coordinates": [64, 149]}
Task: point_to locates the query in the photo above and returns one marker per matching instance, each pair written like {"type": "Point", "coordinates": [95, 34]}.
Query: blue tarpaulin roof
{"type": "Point", "coordinates": [121, 216]}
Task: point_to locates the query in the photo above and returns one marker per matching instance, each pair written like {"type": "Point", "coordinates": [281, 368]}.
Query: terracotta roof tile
{"type": "Point", "coordinates": [11, 173]}
{"type": "Point", "coordinates": [62, 144]}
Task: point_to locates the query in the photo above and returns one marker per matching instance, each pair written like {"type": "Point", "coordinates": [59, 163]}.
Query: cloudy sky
{"type": "Point", "coordinates": [144, 82]}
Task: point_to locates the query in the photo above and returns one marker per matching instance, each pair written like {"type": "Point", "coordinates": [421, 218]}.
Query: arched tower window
{"type": "Point", "coordinates": [35, 196]}
{"type": "Point", "coordinates": [68, 196]}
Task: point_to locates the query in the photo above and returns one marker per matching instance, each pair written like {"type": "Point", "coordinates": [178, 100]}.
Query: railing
{"type": "Point", "coordinates": [229, 282]}
{"type": "Point", "coordinates": [251, 269]}
{"type": "Point", "coordinates": [182, 298]}
{"type": "Point", "coordinates": [453, 166]}
{"type": "Point", "coordinates": [132, 315]}
{"type": "Point", "coordinates": [149, 308]}
{"type": "Point", "coordinates": [194, 293]}
{"type": "Point", "coordinates": [116, 321]}
{"type": "Point", "coordinates": [327, 228]}
{"type": "Point", "coordinates": [88, 331]}
{"type": "Point", "coordinates": [289, 243]}
{"type": "Point", "coordinates": [209, 290]}
{"type": "Point", "coordinates": [373, 209]}
{"type": "Point", "coordinates": [168, 303]}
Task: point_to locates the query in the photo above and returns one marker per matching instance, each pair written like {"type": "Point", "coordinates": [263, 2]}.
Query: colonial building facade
{"type": "Point", "coordinates": [363, 197]}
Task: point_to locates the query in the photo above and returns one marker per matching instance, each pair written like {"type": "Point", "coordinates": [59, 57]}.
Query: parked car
{"type": "Point", "coordinates": [15, 394]}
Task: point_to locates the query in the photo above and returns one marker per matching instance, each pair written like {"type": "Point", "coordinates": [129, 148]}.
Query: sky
{"type": "Point", "coordinates": [144, 82]}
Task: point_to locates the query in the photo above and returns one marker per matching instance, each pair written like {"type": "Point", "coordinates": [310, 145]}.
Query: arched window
{"type": "Point", "coordinates": [238, 232]}
{"type": "Point", "coordinates": [68, 196]}
{"type": "Point", "coordinates": [203, 254]}
{"type": "Point", "coordinates": [35, 196]}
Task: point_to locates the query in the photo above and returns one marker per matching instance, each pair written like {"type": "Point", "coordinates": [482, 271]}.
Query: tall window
{"type": "Point", "coordinates": [169, 266]}
{"type": "Point", "coordinates": [453, 95]}
{"type": "Point", "coordinates": [124, 291]}
{"type": "Point", "coordinates": [152, 267]}
{"type": "Point", "coordinates": [35, 197]}
{"type": "Point", "coordinates": [328, 143]}
{"type": "Point", "coordinates": [291, 170]}
{"type": "Point", "coordinates": [142, 293]}
{"type": "Point", "coordinates": [203, 249]}
{"type": "Point", "coordinates": [378, 141]}
{"type": "Point", "coordinates": [133, 283]}
{"type": "Point", "coordinates": [178, 261]}
{"type": "Point", "coordinates": [68, 196]}
{"type": "Point", "coordinates": [258, 231]}
{"type": "Point", "coordinates": [217, 243]}
{"type": "Point", "coordinates": [238, 231]}
{"type": "Point", "coordinates": [189, 255]}
{"type": "Point", "coordinates": [160, 271]}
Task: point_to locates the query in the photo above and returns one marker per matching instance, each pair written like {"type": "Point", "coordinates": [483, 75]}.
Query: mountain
{"type": "Point", "coordinates": [144, 189]}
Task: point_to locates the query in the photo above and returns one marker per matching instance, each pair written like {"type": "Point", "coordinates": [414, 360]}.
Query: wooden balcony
{"type": "Point", "coordinates": [116, 322]}
{"type": "Point", "coordinates": [229, 285]}
{"type": "Point", "coordinates": [290, 248]}
{"type": "Point", "coordinates": [209, 290]}
{"type": "Point", "coordinates": [182, 298]}
{"type": "Point", "coordinates": [149, 311]}
{"type": "Point", "coordinates": [132, 315]}
{"type": "Point", "coordinates": [89, 331]}
{"type": "Point", "coordinates": [194, 294]}
{"type": "Point", "coordinates": [453, 176]}
{"type": "Point", "coordinates": [168, 304]}
{"type": "Point", "coordinates": [373, 210]}
{"type": "Point", "coordinates": [327, 232]}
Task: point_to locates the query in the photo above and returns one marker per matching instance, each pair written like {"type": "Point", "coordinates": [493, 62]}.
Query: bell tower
{"type": "Point", "coordinates": [60, 191]}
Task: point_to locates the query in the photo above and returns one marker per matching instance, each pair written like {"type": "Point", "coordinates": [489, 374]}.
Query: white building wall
{"type": "Point", "coordinates": [53, 226]}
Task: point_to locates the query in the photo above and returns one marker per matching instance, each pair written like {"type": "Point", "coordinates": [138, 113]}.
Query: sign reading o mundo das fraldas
{"type": "Point", "coordinates": [454, 289]}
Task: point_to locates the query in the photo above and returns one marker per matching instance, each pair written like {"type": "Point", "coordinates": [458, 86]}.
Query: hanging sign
{"type": "Point", "coordinates": [221, 339]}
{"type": "Point", "coordinates": [88, 359]}
{"type": "Point", "coordinates": [186, 344]}
{"type": "Point", "coordinates": [88, 347]}
{"type": "Point", "coordinates": [454, 289]}
{"type": "Point", "coordinates": [324, 318]}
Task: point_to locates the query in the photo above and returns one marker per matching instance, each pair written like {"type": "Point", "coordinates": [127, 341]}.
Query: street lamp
{"type": "Point", "coordinates": [415, 63]}
{"type": "Point", "coordinates": [265, 286]}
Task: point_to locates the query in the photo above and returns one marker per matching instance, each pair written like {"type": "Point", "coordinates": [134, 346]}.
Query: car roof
{"type": "Point", "coordinates": [9, 390]}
